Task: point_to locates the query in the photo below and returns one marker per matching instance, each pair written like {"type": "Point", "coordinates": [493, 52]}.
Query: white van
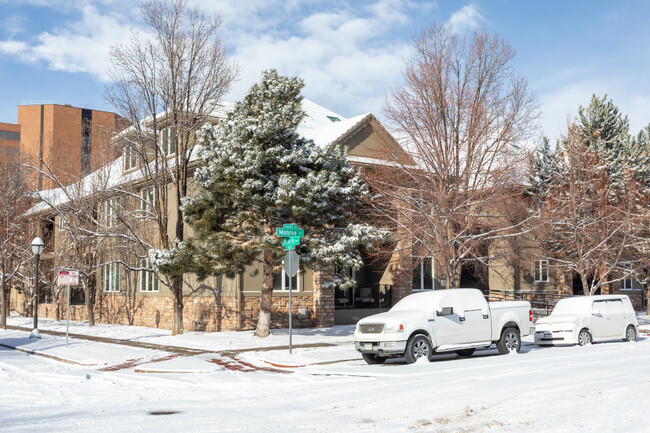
{"type": "Point", "coordinates": [588, 319]}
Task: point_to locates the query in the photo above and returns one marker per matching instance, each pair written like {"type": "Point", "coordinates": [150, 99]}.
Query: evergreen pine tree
{"type": "Point", "coordinates": [255, 174]}
{"type": "Point", "coordinates": [544, 170]}
{"type": "Point", "coordinates": [640, 157]}
{"type": "Point", "coordinates": [607, 131]}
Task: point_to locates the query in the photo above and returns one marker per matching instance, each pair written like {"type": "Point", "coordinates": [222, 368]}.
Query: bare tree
{"type": "Point", "coordinates": [14, 245]}
{"type": "Point", "coordinates": [463, 114]}
{"type": "Point", "coordinates": [168, 82]}
{"type": "Point", "coordinates": [80, 213]}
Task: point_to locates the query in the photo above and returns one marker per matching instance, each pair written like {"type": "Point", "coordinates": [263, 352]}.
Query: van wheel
{"type": "Point", "coordinates": [417, 347]}
{"type": "Point", "coordinates": [630, 333]}
{"type": "Point", "coordinates": [510, 341]}
{"type": "Point", "coordinates": [465, 352]}
{"type": "Point", "coordinates": [584, 337]}
{"type": "Point", "coordinates": [373, 359]}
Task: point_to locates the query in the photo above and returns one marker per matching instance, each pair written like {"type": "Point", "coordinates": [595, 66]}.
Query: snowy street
{"type": "Point", "coordinates": [602, 387]}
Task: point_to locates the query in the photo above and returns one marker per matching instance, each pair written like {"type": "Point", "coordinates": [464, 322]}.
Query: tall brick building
{"type": "Point", "coordinates": [9, 142]}
{"type": "Point", "coordinates": [71, 141]}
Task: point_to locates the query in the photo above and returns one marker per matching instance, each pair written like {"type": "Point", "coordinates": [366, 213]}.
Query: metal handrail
{"type": "Point", "coordinates": [540, 302]}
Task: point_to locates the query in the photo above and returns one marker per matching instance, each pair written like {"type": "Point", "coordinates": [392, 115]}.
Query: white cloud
{"type": "Point", "coordinates": [347, 61]}
{"type": "Point", "coordinates": [81, 45]}
{"type": "Point", "coordinates": [561, 105]}
{"type": "Point", "coordinates": [13, 47]}
{"type": "Point", "coordinates": [347, 55]}
{"type": "Point", "coordinates": [465, 19]}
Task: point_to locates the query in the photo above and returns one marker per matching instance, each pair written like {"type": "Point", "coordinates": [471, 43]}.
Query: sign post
{"type": "Point", "coordinates": [68, 278]}
{"type": "Point", "coordinates": [291, 234]}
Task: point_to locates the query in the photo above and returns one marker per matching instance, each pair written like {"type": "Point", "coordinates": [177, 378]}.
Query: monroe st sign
{"type": "Point", "coordinates": [291, 234]}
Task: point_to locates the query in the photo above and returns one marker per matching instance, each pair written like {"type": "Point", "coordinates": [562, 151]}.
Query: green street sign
{"type": "Point", "coordinates": [289, 232]}
{"type": "Point", "coordinates": [290, 243]}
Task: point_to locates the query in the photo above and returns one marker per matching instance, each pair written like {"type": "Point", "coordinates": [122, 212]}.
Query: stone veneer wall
{"type": "Point", "coordinates": [199, 313]}
{"type": "Point", "coordinates": [323, 301]}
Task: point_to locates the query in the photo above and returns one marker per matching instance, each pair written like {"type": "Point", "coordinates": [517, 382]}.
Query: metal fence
{"type": "Point", "coordinates": [541, 303]}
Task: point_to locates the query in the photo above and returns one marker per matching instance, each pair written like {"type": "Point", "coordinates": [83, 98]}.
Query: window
{"type": "Point", "coordinates": [281, 281]}
{"type": "Point", "coordinates": [110, 212]}
{"type": "Point", "coordinates": [112, 277]}
{"type": "Point", "coordinates": [541, 271]}
{"type": "Point", "coordinates": [129, 158]}
{"type": "Point", "coordinates": [86, 139]}
{"type": "Point", "coordinates": [77, 296]}
{"type": "Point", "coordinates": [147, 196]}
{"type": "Point", "coordinates": [148, 280]}
{"type": "Point", "coordinates": [333, 119]}
{"type": "Point", "coordinates": [167, 141]}
{"type": "Point", "coordinates": [44, 295]}
{"type": "Point", "coordinates": [10, 135]}
{"type": "Point", "coordinates": [424, 274]}
{"type": "Point", "coordinates": [627, 283]}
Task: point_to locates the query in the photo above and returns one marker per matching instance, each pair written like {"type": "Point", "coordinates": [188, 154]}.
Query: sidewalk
{"type": "Point", "coordinates": [115, 347]}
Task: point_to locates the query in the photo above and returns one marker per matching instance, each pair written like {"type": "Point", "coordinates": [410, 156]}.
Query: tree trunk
{"type": "Point", "coordinates": [57, 303]}
{"type": "Point", "coordinates": [266, 303]}
{"type": "Point", "coordinates": [90, 302]}
{"type": "Point", "coordinates": [177, 297]}
{"type": "Point", "coordinates": [585, 286]}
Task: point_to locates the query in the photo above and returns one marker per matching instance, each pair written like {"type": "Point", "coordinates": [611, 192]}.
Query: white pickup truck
{"type": "Point", "coordinates": [456, 320]}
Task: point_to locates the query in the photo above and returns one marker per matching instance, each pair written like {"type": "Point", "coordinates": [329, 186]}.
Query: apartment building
{"type": "Point", "coordinates": [9, 142]}
{"type": "Point", "coordinates": [65, 142]}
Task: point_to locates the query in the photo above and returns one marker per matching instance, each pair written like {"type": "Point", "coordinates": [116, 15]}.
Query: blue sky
{"type": "Point", "coordinates": [350, 53]}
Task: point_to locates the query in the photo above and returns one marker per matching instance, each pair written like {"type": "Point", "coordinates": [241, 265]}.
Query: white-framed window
{"type": "Point", "coordinates": [129, 158]}
{"type": "Point", "coordinates": [541, 271]}
{"type": "Point", "coordinates": [424, 274]}
{"type": "Point", "coordinates": [147, 198]}
{"type": "Point", "coordinates": [281, 281]}
{"type": "Point", "coordinates": [111, 212]}
{"type": "Point", "coordinates": [626, 284]}
{"type": "Point", "coordinates": [148, 280]}
{"type": "Point", "coordinates": [112, 277]}
{"type": "Point", "coordinates": [168, 141]}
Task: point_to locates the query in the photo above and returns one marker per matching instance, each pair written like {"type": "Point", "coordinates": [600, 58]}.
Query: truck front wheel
{"type": "Point", "coordinates": [373, 359]}
{"type": "Point", "coordinates": [417, 347]}
{"type": "Point", "coordinates": [510, 341]}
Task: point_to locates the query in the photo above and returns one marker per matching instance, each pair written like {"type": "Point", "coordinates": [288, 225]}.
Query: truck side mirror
{"type": "Point", "coordinates": [595, 312]}
{"type": "Point", "coordinates": [445, 311]}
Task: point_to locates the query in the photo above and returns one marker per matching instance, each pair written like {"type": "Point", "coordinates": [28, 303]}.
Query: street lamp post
{"type": "Point", "coordinates": [37, 249]}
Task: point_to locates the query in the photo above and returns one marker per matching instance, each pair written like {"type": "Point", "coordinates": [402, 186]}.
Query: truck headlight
{"type": "Point", "coordinates": [394, 328]}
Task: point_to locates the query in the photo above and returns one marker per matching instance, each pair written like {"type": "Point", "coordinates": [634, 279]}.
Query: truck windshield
{"type": "Point", "coordinates": [418, 301]}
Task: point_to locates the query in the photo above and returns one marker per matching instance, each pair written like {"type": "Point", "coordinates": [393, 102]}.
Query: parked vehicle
{"type": "Point", "coordinates": [456, 320]}
{"type": "Point", "coordinates": [588, 319]}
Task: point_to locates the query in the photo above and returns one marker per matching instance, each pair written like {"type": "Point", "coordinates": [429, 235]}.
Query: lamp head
{"type": "Point", "coordinates": [37, 246]}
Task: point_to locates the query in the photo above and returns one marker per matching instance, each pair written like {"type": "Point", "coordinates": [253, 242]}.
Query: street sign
{"type": "Point", "coordinates": [290, 243]}
{"type": "Point", "coordinates": [289, 231]}
{"type": "Point", "coordinates": [68, 278]}
{"type": "Point", "coordinates": [285, 232]}
{"type": "Point", "coordinates": [292, 234]}
{"type": "Point", "coordinates": [291, 262]}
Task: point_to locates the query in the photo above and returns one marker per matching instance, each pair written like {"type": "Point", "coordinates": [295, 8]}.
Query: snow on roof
{"type": "Point", "coordinates": [319, 124]}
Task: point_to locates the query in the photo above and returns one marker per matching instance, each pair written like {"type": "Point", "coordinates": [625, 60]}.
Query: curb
{"type": "Point", "coordinates": [45, 355]}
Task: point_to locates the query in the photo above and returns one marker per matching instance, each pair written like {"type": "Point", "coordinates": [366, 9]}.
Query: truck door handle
{"type": "Point", "coordinates": [485, 316]}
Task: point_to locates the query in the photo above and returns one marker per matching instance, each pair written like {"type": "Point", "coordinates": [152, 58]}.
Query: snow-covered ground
{"type": "Point", "coordinates": [238, 385]}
